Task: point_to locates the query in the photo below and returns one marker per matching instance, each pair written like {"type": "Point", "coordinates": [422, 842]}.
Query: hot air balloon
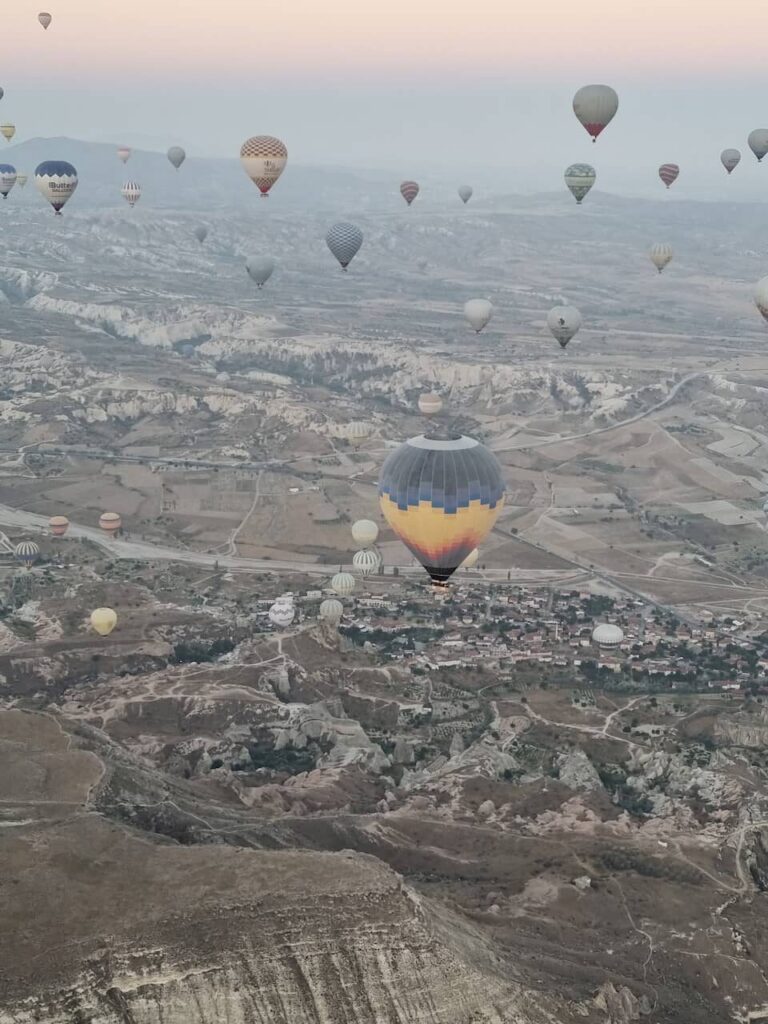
{"type": "Point", "coordinates": [21, 180]}
{"type": "Point", "coordinates": [366, 561]}
{"type": "Point", "coordinates": [7, 131]}
{"type": "Point", "coordinates": [177, 156]}
{"type": "Point", "coordinates": [45, 19]}
{"type": "Point", "coordinates": [131, 192]}
{"type": "Point", "coordinates": [563, 322]}
{"type": "Point", "coordinates": [441, 496]}
{"type": "Point", "coordinates": [201, 233]}
{"type": "Point", "coordinates": [8, 177]}
{"type": "Point", "coordinates": [465, 193]}
{"type": "Point", "coordinates": [57, 181]}
{"type": "Point", "coordinates": [730, 159]}
{"type": "Point", "coordinates": [282, 612]}
{"type": "Point", "coordinates": [27, 552]}
{"type": "Point", "coordinates": [761, 297]}
{"type": "Point", "coordinates": [668, 173]}
{"type": "Point", "coordinates": [110, 522]}
{"type": "Point", "coordinates": [579, 178]}
{"type": "Point", "coordinates": [595, 107]}
{"type": "Point", "coordinates": [471, 560]}
{"type": "Point", "coordinates": [430, 404]}
{"type": "Point", "coordinates": [331, 611]}
{"type": "Point", "coordinates": [409, 190]}
{"type": "Point", "coordinates": [343, 583]}
{"type": "Point", "coordinates": [660, 255]}
{"type": "Point", "coordinates": [358, 430]}
{"type": "Point", "coordinates": [365, 532]}
{"type": "Point", "coordinates": [124, 153]}
{"type": "Point", "coordinates": [263, 158]}
{"type": "Point", "coordinates": [260, 269]}
{"type": "Point", "coordinates": [478, 313]}
{"type": "Point", "coordinates": [2, 92]}
{"type": "Point", "coordinates": [103, 620]}
{"type": "Point", "coordinates": [344, 241]}
{"type": "Point", "coordinates": [758, 142]}
{"type": "Point", "coordinates": [58, 525]}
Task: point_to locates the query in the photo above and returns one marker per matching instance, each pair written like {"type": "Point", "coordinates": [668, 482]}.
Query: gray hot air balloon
{"type": "Point", "coordinates": [260, 269]}
{"type": "Point", "coordinates": [595, 107]}
{"type": "Point", "coordinates": [344, 241]}
{"type": "Point", "coordinates": [730, 159]}
{"type": "Point", "coordinates": [761, 297]}
{"type": "Point", "coordinates": [201, 233]}
{"type": "Point", "coordinates": [579, 178]}
{"type": "Point", "coordinates": [758, 142]}
{"type": "Point", "coordinates": [177, 156]}
{"type": "Point", "coordinates": [478, 313]}
{"type": "Point", "coordinates": [465, 193]}
{"type": "Point", "coordinates": [2, 92]}
{"type": "Point", "coordinates": [563, 322]}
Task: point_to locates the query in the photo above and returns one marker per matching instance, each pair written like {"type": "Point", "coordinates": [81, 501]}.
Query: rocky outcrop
{"type": "Point", "coordinates": [577, 771]}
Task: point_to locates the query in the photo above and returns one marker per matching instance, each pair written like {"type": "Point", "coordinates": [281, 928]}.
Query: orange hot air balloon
{"type": "Point", "coordinates": [58, 525]}
{"type": "Point", "coordinates": [110, 522]}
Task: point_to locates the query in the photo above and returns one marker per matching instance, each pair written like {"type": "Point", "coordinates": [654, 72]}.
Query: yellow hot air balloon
{"type": "Point", "coordinates": [7, 131]}
{"type": "Point", "coordinates": [103, 620]}
{"type": "Point", "coordinates": [441, 496]}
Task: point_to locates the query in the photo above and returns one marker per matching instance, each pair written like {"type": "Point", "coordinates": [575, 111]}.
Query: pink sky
{"type": "Point", "coordinates": [361, 37]}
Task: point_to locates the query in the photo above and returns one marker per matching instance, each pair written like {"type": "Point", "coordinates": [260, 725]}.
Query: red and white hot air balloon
{"type": "Point", "coordinates": [124, 153]}
{"type": "Point", "coordinates": [409, 190]}
{"type": "Point", "coordinates": [263, 158]}
{"type": "Point", "coordinates": [668, 173]}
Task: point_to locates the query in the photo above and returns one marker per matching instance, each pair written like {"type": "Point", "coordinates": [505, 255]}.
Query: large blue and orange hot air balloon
{"type": "Point", "coordinates": [441, 496]}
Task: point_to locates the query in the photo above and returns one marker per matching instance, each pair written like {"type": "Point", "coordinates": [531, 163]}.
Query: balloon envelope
{"type": "Point", "coordinates": [366, 561]}
{"type": "Point", "coordinates": [478, 313]}
{"type": "Point", "coordinates": [103, 620]}
{"type": "Point", "coordinates": [110, 522]}
{"type": "Point", "coordinates": [177, 156]}
{"type": "Point", "coordinates": [27, 552]}
{"type": "Point", "coordinates": [564, 322]}
{"type": "Point", "coordinates": [260, 269]}
{"type": "Point", "coordinates": [442, 497]}
{"type": "Point", "coordinates": [344, 241]}
{"type": "Point", "coordinates": [409, 190]}
{"type": "Point", "coordinates": [579, 178]}
{"type": "Point", "coordinates": [263, 158]}
{"type": "Point", "coordinates": [595, 106]}
{"type": "Point", "coordinates": [201, 233]}
{"type": "Point", "coordinates": [668, 173]}
{"type": "Point", "coordinates": [282, 613]}
{"type": "Point", "coordinates": [730, 158]}
{"type": "Point", "coordinates": [343, 583]}
{"type": "Point", "coordinates": [365, 532]}
{"type": "Point", "coordinates": [758, 142]}
{"type": "Point", "coordinates": [8, 178]}
{"type": "Point", "coordinates": [124, 153]}
{"type": "Point", "coordinates": [7, 131]}
{"type": "Point", "coordinates": [331, 611]}
{"type": "Point", "coordinates": [465, 193]}
{"type": "Point", "coordinates": [44, 18]}
{"type": "Point", "coordinates": [660, 255]}
{"type": "Point", "coordinates": [131, 192]}
{"type": "Point", "coordinates": [430, 404]}
{"type": "Point", "coordinates": [58, 525]}
{"type": "Point", "coordinates": [761, 297]}
{"type": "Point", "coordinates": [57, 181]}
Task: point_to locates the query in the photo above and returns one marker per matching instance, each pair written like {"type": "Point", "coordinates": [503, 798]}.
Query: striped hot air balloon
{"type": "Point", "coordinates": [263, 158]}
{"type": "Point", "coordinates": [668, 173]}
{"type": "Point", "coordinates": [131, 192]}
{"type": "Point", "coordinates": [58, 525]}
{"type": "Point", "coordinates": [441, 496]}
{"type": "Point", "coordinates": [409, 190]}
{"type": "Point", "coordinates": [110, 522]}
{"type": "Point", "coordinates": [366, 561]}
{"type": "Point", "coordinates": [27, 552]}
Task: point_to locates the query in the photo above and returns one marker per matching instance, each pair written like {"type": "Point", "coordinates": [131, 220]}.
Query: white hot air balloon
{"type": "Point", "coordinates": [758, 142]}
{"type": "Point", "coordinates": [57, 181]}
{"type": "Point", "coordinates": [430, 404]}
{"type": "Point", "coordinates": [365, 532]}
{"type": "Point", "coordinates": [282, 612]}
{"type": "Point", "coordinates": [8, 178]}
{"type": "Point", "coordinates": [124, 153]}
{"type": "Point", "coordinates": [579, 179]}
{"type": "Point", "coordinates": [660, 255]}
{"type": "Point", "coordinates": [331, 611]}
{"type": "Point", "coordinates": [177, 156]}
{"type": "Point", "coordinates": [263, 158]}
{"type": "Point", "coordinates": [478, 313]}
{"type": "Point", "coordinates": [595, 106]}
{"type": "Point", "coordinates": [201, 233]}
{"type": "Point", "coordinates": [131, 193]}
{"type": "Point", "coordinates": [366, 561]}
{"type": "Point", "coordinates": [357, 431]}
{"type": "Point", "coordinates": [465, 193]}
{"type": "Point", "coordinates": [7, 131]}
{"type": "Point", "coordinates": [343, 583]}
{"type": "Point", "coordinates": [730, 159]}
{"type": "Point", "coordinates": [344, 241]}
{"type": "Point", "coordinates": [563, 322]}
{"type": "Point", "coordinates": [260, 269]}
{"type": "Point", "coordinates": [761, 297]}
